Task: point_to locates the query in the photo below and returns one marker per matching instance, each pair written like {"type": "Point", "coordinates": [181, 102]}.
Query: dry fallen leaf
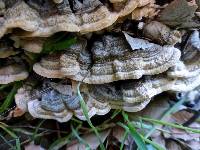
{"type": "Point", "coordinates": [159, 139]}
{"type": "Point", "coordinates": [194, 145]}
{"type": "Point", "coordinates": [181, 116]}
{"type": "Point", "coordinates": [175, 15]}
{"type": "Point", "coordinates": [90, 139]}
{"type": "Point", "coordinates": [137, 43]}
{"type": "Point", "coordinates": [154, 110]}
{"type": "Point", "coordinates": [183, 135]}
{"type": "Point", "coordinates": [118, 133]}
{"type": "Point", "coordinates": [146, 11]}
{"type": "Point", "coordinates": [172, 145]}
{"type": "Point", "coordinates": [17, 112]}
{"type": "Point", "coordinates": [161, 33]}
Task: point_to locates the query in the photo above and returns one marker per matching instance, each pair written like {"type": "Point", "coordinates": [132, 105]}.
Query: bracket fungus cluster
{"type": "Point", "coordinates": [117, 73]}
{"type": "Point", "coordinates": [110, 59]}
{"type": "Point", "coordinates": [57, 101]}
{"type": "Point", "coordinates": [189, 65]}
{"type": "Point", "coordinates": [11, 68]}
{"type": "Point", "coordinates": [43, 18]}
{"type": "Point", "coordinates": [117, 70]}
{"type": "Point", "coordinates": [11, 73]}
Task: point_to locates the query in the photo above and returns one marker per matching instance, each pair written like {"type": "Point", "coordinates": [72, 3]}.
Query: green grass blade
{"type": "Point", "coordinates": [167, 113]}
{"type": "Point", "coordinates": [18, 145]}
{"type": "Point", "coordinates": [62, 141]}
{"type": "Point", "coordinates": [155, 145]}
{"type": "Point", "coordinates": [10, 97]}
{"type": "Point", "coordinates": [7, 142]}
{"type": "Point", "coordinates": [79, 138]}
{"type": "Point", "coordinates": [47, 46]}
{"type": "Point", "coordinates": [56, 38]}
{"type": "Point", "coordinates": [115, 113]}
{"type": "Point", "coordinates": [154, 121]}
{"type": "Point", "coordinates": [133, 130]}
{"type": "Point", "coordinates": [59, 45]}
{"type": "Point", "coordinates": [5, 128]}
{"type": "Point", "coordinates": [136, 136]}
{"type": "Point", "coordinates": [85, 112]}
{"type": "Point", "coordinates": [147, 126]}
{"type": "Point", "coordinates": [76, 120]}
{"type": "Point", "coordinates": [138, 140]}
{"type": "Point", "coordinates": [123, 139]}
{"type": "Point", "coordinates": [64, 44]}
{"type": "Point", "coordinates": [36, 130]}
{"type": "Point", "coordinates": [12, 134]}
{"type": "Point", "coordinates": [2, 87]}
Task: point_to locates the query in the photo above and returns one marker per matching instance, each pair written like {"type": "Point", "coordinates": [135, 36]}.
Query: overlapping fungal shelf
{"type": "Point", "coordinates": [117, 70]}
{"type": "Point", "coordinates": [57, 101]}
{"type": "Point", "coordinates": [43, 18]}
{"type": "Point", "coordinates": [110, 59]}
